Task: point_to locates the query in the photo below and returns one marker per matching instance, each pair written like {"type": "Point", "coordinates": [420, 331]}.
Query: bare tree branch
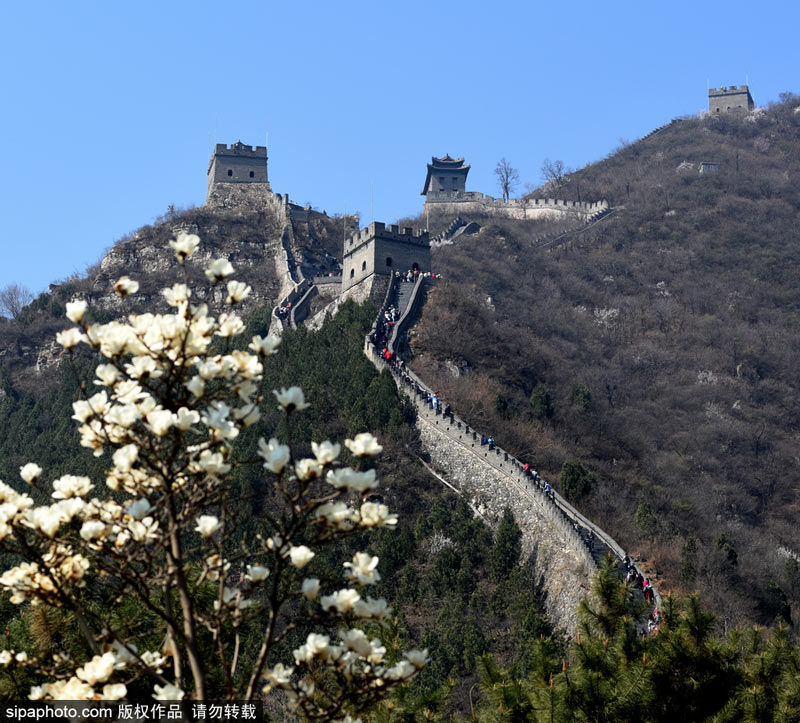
{"type": "Point", "coordinates": [13, 299]}
{"type": "Point", "coordinates": [507, 177]}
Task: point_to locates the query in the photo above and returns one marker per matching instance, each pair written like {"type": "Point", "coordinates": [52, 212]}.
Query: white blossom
{"type": "Point", "coordinates": [154, 660]}
{"type": "Point", "coordinates": [196, 386]}
{"type": "Point", "coordinates": [70, 337]}
{"type": "Point", "coordinates": [278, 677]}
{"type": "Point", "coordinates": [185, 245]}
{"type": "Point", "coordinates": [364, 445]}
{"type": "Point", "coordinates": [71, 486]}
{"type": "Point", "coordinates": [276, 456]}
{"type": "Point", "coordinates": [300, 556]}
{"type": "Point", "coordinates": [92, 529]}
{"type": "Point", "coordinates": [257, 573]}
{"type": "Point", "coordinates": [115, 691]}
{"type": "Point", "coordinates": [362, 570]}
{"type": "Point", "coordinates": [139, 509]}
{"type": "Point", "coordinates": [219, 270]}
{"type": "Point", "coordinates": [337, 514]}
{"type": "Point", "coordinates": [308, 469]}
{"type": "Point", "coordinates": [107, 374]}
{"type": "Point", "coordinates": [291, 399]}
{"type": "Point", "coordinates": [30, 472]}
{"type": "Point", "coordinates": [237, 291]}
{"type": "Point", "coordinates": [125, 286]}
{"type": "Point", "coordinates": [185, 418]}
{"type": "Point", "coordinates": [374, 514]}
{"type": "Point", "coordinates": [159, 421]}
{"type": "Point", "coordinates": [326, 452]}
{"type": "Point", "coordinates": [177, 295]}
{"type": "Point", "coordinates": [229, 325]}
{"type": "Point", "coordinates": [316, 645]}
{"type": "Point", "coordinates": [343, 600]}
{"type": "Point", "coordinates": [377, 609]}
{"type": "Point", "coordinates": [167, 692]}
{"type": "Point", "coordinates": [125, 456]}
{"type": "Point", "coordinates": [76, 310]}
{"type": "Point", "coordinates": [266, 345]}
{"type": "Point", "coordinates": [310, 588]}
{"type": "Point", "coordinates": [98, 669]}
{"type": "Point", "coordinates": [417, 658]}
{"type": "Point", "coordinates": [348, 479]}
{"type": "Point", "coordinates": [207, 525]}
{"type": "Point", "coordinates": [403, 670]}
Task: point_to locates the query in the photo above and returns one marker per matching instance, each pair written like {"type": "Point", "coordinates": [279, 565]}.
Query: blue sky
{"type": "Point", "coordinates": [111, 108]}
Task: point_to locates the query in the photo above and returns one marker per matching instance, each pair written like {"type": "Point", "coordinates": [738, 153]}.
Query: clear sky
{"type": "Point", "coordinates": [110, 109]}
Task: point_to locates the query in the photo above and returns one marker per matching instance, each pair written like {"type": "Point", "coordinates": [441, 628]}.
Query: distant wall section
{"type": "Point", "coordinates": [473, 202]}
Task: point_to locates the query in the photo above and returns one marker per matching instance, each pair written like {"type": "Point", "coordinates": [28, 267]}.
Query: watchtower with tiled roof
{"type": "Point", "coordinates": [446, 175]}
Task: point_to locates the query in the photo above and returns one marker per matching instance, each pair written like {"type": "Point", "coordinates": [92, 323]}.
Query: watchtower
{"type": "Point", "coordinates": [237, 163]}
{"type": "Point", "coordinates": [382, 250]}
{"type": "Point", "coordinates": [445, 175]}
{"type": "Point", "coordinates": [732, 98]}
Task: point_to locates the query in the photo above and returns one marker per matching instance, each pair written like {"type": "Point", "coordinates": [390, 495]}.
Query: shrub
{"type": "Point", "coordinates": [167, 582]}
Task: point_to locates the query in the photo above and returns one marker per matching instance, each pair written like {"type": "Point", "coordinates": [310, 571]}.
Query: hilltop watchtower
{"type": "Point", "coordinates": [236, 164]}
{"type": "Point", "coordinates": [732, 98]}
{"type": "Point", "coordinates": [381, 250]}
{"type": "Point", "coordinates": [445, 175]}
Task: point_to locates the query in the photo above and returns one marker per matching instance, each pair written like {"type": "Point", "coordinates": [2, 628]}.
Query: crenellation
{"type": "Point", "coordinates": [233, 165]}
{"type": "Point", "coordinates": [730, 98]}
{"type": "Point", "coordinates": [378, 249]}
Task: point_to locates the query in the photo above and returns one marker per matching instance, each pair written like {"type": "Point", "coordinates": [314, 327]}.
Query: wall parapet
{"type": "Point", "coordinates": [532, 203]}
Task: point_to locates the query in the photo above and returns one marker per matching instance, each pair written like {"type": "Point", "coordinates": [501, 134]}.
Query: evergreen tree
{"type": "Point", "coordinates": [506, 550]}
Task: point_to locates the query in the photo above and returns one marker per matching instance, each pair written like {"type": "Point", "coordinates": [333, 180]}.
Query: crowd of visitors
{"type": "Point", "coordinates": [639, 581]}
{"type": "Point", "coordinates": [380, 340]}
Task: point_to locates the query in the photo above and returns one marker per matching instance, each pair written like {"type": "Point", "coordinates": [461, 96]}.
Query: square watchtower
{"type": "Point", "coordinates": [381, 250]}
{"type": "Point", "coordinates": [237, 163]}
{"type": "Point", "coordinates": [732, 98]}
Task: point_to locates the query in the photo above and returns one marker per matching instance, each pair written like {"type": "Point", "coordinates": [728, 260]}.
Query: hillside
{"type": "Point", "coordinates": [659, 348]}
{"type": "Point", "coordinates": [266, 249]}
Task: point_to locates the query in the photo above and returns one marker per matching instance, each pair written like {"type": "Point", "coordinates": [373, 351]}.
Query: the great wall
{"type": "Point", "coordinates": [561, 545]}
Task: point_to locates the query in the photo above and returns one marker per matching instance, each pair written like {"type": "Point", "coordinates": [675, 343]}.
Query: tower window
{"type": "Point", "coordinates": [230, 172]}
{"type": "Point", "coordinates": [252, 174]}
{"type": "Point", "coordinates": [352, 273]}
{"type": "Point", "coordinates": [389, 261]}
{"type": "Point", "coordinates": [363, 265]}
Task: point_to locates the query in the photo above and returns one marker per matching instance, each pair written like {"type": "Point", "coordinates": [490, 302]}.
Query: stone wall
{"type": "Point", "coordinates": [472, 202]}
{"type": "Point", "coordinates": [561, 563]}
{"type": "Point", "coordinates": [723, 100]}
{"type": "Point", "coordinates": [381, 249]}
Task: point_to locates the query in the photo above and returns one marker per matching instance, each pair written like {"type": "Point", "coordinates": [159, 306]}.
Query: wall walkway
{"type": "Point", "coordinates": [562, 545]}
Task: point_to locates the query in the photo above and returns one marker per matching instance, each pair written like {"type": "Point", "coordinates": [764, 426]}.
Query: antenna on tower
{"type": "Point", "coordinates": [371, 201]}
{"type": "Point", "coordinates": [747, 79]}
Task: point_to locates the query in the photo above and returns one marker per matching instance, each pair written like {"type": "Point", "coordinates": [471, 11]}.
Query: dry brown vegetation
{"type": "Point", "coordinates": [660, 348]}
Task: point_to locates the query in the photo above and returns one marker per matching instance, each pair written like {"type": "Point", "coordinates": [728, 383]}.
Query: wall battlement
{"type": "Point", "coordinates": [381, 249]}
{"type": "Point", "coordinates": [380, 230]}
{"type": "Point", "coordinates": [235, 164]}
{"type": "Point", "coordinates": [728, 89]}
{"type": "Point", "coordinates": [730, 98]}
{"type": "Point", "coordinates": [555, 203]}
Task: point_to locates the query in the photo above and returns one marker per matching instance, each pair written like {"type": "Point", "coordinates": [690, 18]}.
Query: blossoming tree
{"type": "Point", "coordinates": [164, 531]}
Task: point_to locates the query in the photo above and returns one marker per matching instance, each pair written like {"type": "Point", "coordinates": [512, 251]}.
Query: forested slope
{"type": "Point", "coordinates": [659, 348]}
